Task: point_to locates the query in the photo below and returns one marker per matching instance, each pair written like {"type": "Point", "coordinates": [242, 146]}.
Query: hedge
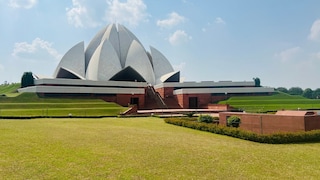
{"type": "Point", "coordinates": [276, 138]}
{"type": "Point", "coordinates": [205, 118]}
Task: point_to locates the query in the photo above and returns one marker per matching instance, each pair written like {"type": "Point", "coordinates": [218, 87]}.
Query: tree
{"type": "Point", "coordinates": [295, 91]}
{"type": "Point", "coordinates": [27, 79]}
{"type": "Point", "coordinates": [282, 89]}
{"type": "Point", "coordinates": [316, 94]}
{"type": "Point", "coordinates": [257, 82]}
{"type": "Point", "coordinates": [308, 93]}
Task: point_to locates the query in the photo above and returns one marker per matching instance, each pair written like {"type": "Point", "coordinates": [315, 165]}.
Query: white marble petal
{"type": "Point", "coordinates": [125, 41]}
{"type": "Point", "coordinates": [137, 58]}
{"type": "Point", "coordinates": [161, 65]}
{"type": "Point", "coordinates": [73, 60]}
{"type": "Point", "coordinates": [94, 43]}
{"type": "Point", "coordinates": [104, 63]}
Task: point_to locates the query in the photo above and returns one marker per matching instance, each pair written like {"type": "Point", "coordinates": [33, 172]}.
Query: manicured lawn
{"type": "Point", "coordinates": [29, 104]}
{"type": "Point", "coordinates": [142, 148]}
{"type": "Point", "coordinates": [9, 88]}
{"type": "Point", "coordinates": [275, 102]}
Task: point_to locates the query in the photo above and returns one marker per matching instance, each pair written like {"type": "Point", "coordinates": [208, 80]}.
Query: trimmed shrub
{"type": "Point", "coordinates": [215, 118]}
{"type": "Point", "coordinates": [277, 138]}
{"type": "Point", "coordinates": [190, 114]}
{"type": "Point", "coordinates": [205, 118]}
{"type": "Point", "coordinates": [27, 79]}
{"type": "Point", "coordinates": [233, 121]}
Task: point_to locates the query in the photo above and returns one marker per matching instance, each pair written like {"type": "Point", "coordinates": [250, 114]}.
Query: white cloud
{"type": "Point", "coordinates": [318, 55]}
{"type": "Point", "coordinates": [219, 20]}
{"type": "Point", "coordinates": [179, 37]}
{"type": "Point", "coordinates": [315, 55]}
{"type": "Point", "coordinates": [37, 46]}
{"type": "Point", "coordinates": [26, 4]}
{"type": "Point", "coordinates": [79, 16]}
{"type": "Point", "coordinates": [315, 30]}
{"type": "Point", "coordinates": [288, 54]}
{"type": "Point", "coordinates": [131, 12]}
{"type": "Point", "coordinates": [1, 67]}
{"type": "Point", "coordinates": [173, 19]}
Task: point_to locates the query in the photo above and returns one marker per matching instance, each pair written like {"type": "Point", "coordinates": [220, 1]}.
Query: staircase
{"type": "Point", "coordinates": [154, 100]}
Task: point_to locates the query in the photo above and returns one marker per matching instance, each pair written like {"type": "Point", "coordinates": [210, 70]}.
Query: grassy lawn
{"type": "Point", "coordinates": [29, 104]}
{"type": "Point", "coordinates": [142, 148]}
{"type": "Point", "coordinates": [9, 88]}
{"type": "Point", "coordinates": [275, 102]}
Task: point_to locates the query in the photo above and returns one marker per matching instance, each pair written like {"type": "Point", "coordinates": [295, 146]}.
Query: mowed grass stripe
{"type": "Point", "coordinates": [142, 148]}
{"type": "Point", "coordinates": [33, 98]}
{"type": "Point", "coordinates": [56, 105]}
{"type": "Point", "coordinates": [9, 88]}
{"type": "Point", "coordinates": [109, 111]}
{"type": "Point", "coordinates": [29, 104]}
{"type": "Point", "coordinates": [274, 102]}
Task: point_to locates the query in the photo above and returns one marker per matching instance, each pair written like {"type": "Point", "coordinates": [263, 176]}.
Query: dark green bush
{"type": "Point", "coordinates": [215, 118]}
{"type": "Point", "coordinates": [277, 138]}
{"type": "Point", "coordinates": [233, 121]}
{"type": "Point", "coordinates": [27, 79]}
{"type": "Point", "coordinates": [190, 114]}
{"type": "Point", "coordinates": [205, 118]}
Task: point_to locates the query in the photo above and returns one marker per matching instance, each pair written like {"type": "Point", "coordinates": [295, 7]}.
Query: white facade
{"type": "Point", "coordinates": [207, 84]}
{"type": "Point", "coordinates": [115, 62]}
{"type": "Point", "coordinates": [81, 90]}
{"type": "Point", "coordinates": [76, 86]}
{"type": "Point", "coordinates": [112, 50]}
{"type": "Point", "coordinates": [228, 90]}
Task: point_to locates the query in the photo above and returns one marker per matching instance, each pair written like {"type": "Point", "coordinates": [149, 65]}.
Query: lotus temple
{"type": "Point", "coordinates": [116, 67]}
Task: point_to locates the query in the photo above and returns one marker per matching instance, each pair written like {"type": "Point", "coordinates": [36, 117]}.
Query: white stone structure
{"type": "Point", "coordinates": [116, 54]}
{"type": "Point", "coordinates": [116, 67]}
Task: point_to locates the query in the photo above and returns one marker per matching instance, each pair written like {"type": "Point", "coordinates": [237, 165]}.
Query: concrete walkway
{"type": "Point", "coordinates": [180, 112]}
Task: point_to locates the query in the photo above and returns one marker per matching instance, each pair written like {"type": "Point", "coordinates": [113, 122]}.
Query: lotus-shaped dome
{"type": "Point", "coordinates": [116, 54]}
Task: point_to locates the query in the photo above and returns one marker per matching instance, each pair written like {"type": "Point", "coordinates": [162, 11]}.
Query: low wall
{"type": "Point", "coordinates": [312, 123]}
{"type": "Point", "coordinates": [219, 107]}
{"type": "Point", "coordinates": [270, 123]}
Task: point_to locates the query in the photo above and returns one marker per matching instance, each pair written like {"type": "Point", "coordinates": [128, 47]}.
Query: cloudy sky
{"type": "Point", "coordinates": [207, 40]}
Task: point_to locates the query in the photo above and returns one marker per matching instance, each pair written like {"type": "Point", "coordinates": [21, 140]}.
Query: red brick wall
{"type": "Point", "coordinates": [218, 98]}
{"type": "Point", "coordinates": [269, 123]}
{"type": "Point", "coordinates": [312, 123]}
{"type": "Point", "coordinates": [220, 107]}
{"type": "Point", "coordinates": [165, 92]}
{"type": "Point", "coordinates": [182, 101]}
{"type": "Point", "coordinates": [203, 100]}
{"type": "Point", "coordinates": [124, 99]}
{"type": "Point", "coordinates": [110, 98]}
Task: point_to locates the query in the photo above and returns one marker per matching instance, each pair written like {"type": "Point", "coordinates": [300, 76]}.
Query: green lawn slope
{"type": "Point", "coordinates": [142, 148]}
{"type": "Point", "coordinates": [275, 102]}
{"type": "Point", "coordinates": [9, 88]}
{"type": "Point", "coordinates": [29, 104]}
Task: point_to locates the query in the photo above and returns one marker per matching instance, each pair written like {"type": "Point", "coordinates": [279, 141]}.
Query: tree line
{"type": "Point", "coordinates": [307, 93]}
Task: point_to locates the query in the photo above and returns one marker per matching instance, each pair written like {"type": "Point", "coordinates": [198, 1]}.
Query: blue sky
{"type": "Point", "coordinates": [207, 40]}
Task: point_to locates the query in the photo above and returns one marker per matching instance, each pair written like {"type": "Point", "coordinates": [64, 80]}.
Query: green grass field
{"type": "Point", "coordinates": [275, 102]}
{"type": "Point", "coordinates": [9, 88]}
{"type": "Point", "coordinates": [29, 104]}
{"type": "Point", "coordinates": [142, 148]}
